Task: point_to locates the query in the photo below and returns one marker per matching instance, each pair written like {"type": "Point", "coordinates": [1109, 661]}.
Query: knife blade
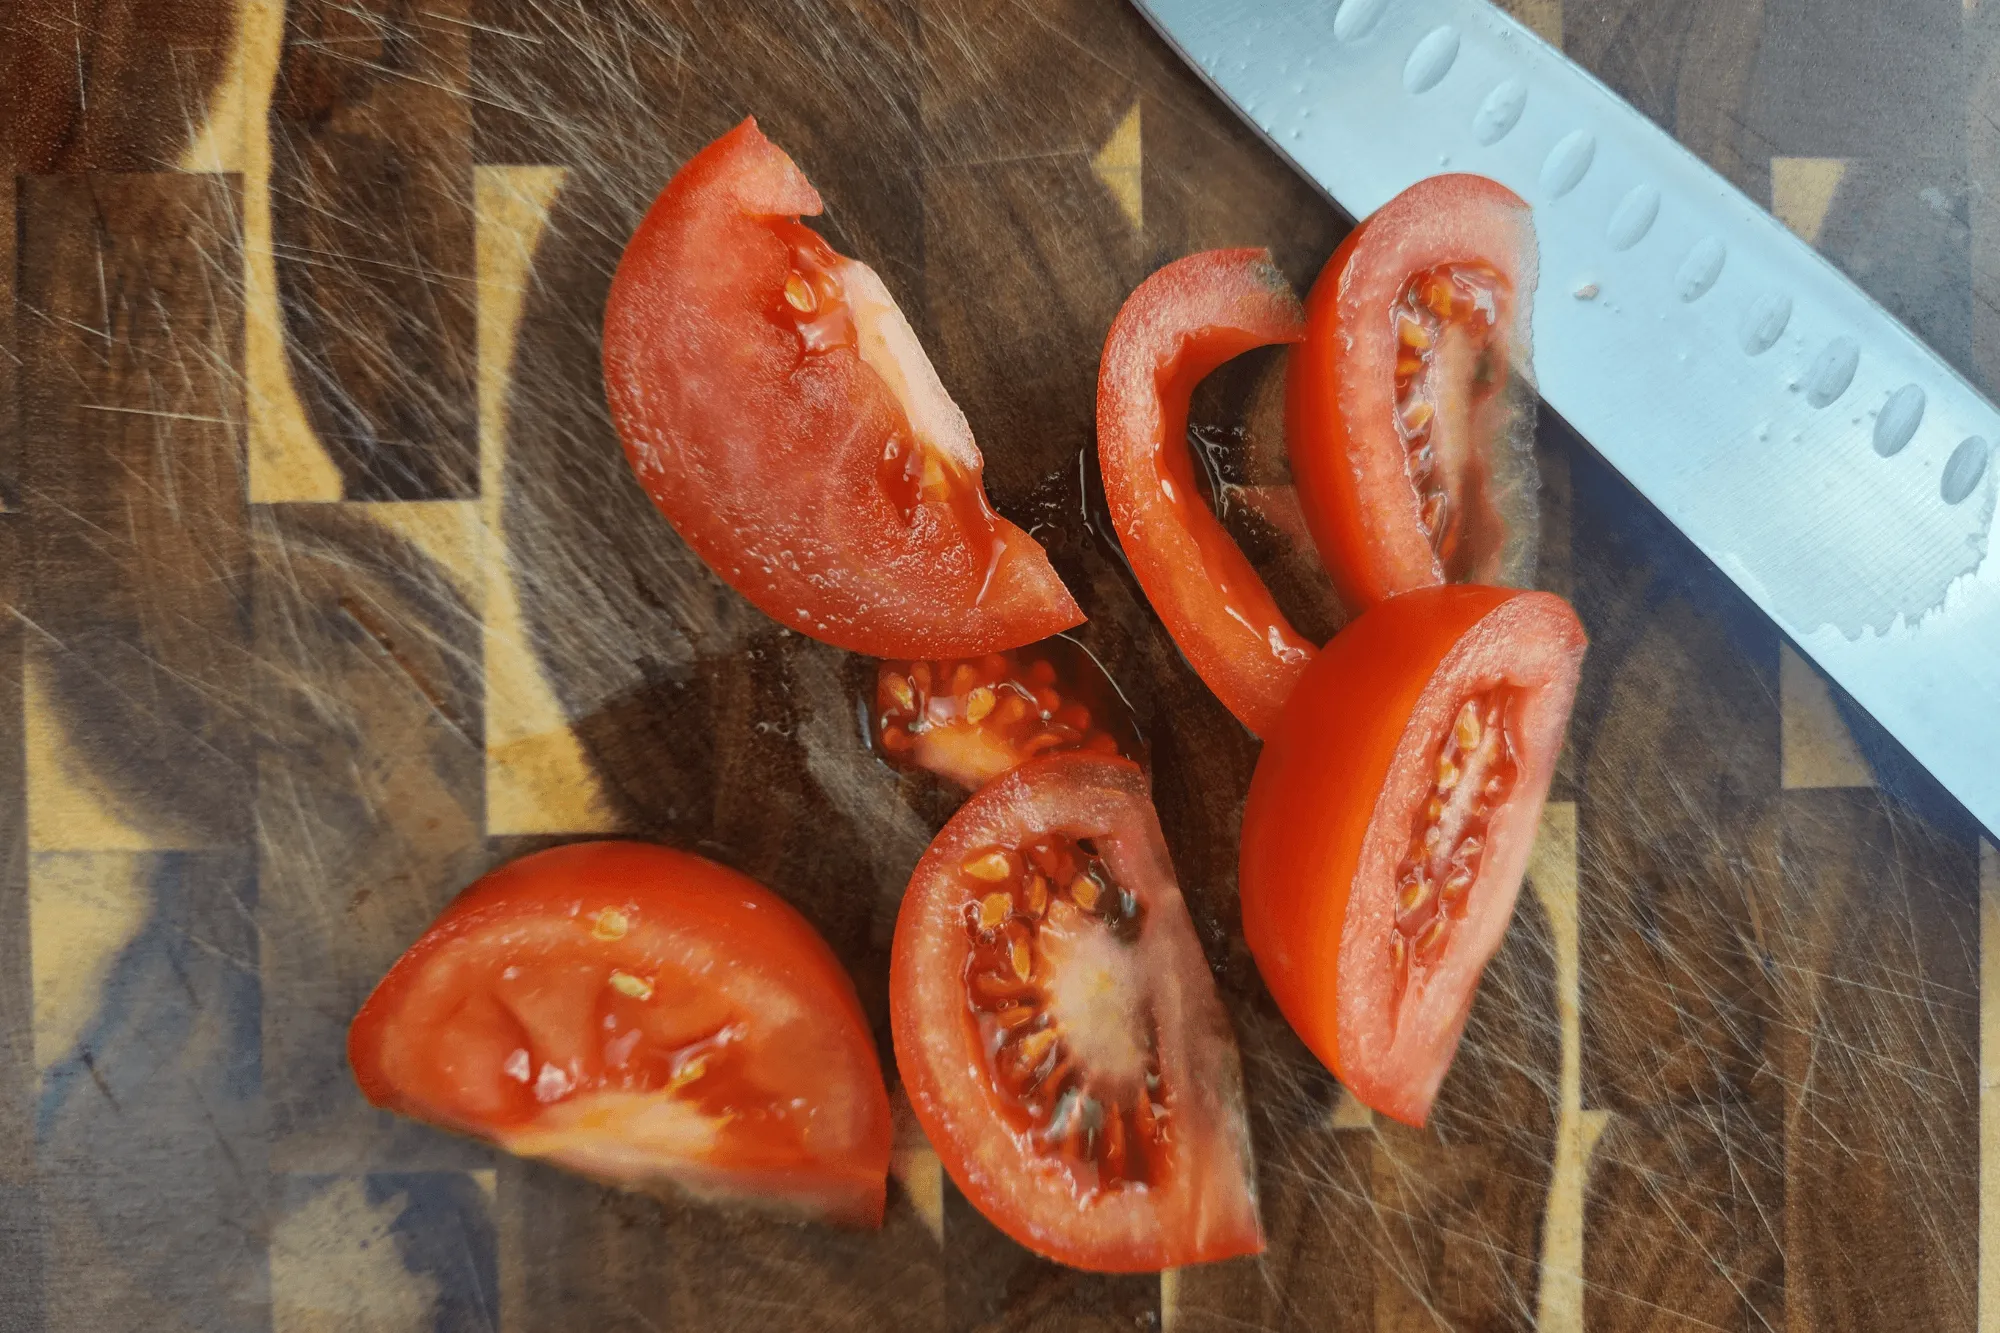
{"type": "Point", "coordinates": [1812, 447]}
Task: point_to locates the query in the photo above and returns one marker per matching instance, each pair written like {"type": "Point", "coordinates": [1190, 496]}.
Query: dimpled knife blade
{"type": "Point", "coordinates": [1823, 457]}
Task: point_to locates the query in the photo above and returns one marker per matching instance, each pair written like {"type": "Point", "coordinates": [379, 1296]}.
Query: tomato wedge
{"type": "Point", "coordinates": [643, 1016]}
{"type": "Point", "coordinates": [1059, 1032]}
{"type": "Point", "coordinates": [1389, 824]}
{"type": "Point", "coordinates": [971, 721]}
{"type": "Point", "coordinates": [1176, 327]}
{"type": "Point", "coordinates": [1410, 435]}
{"type": "Point", "coordinates": [779, 411]}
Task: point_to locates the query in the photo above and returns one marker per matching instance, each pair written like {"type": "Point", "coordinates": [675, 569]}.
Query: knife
{"type": "Point", "coordinates": [1824, 458]}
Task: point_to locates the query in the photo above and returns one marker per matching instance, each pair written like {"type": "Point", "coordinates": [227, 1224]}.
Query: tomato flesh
{"type": "Point", "coordinates": [971, 721]}
{"type": "Point", "coordinates": [645, 1017]}
{"type": "Point", "coordinates": [1389, 824]}
{"type": "Point", "coordinates": [1410, 406]}
{"type": "Point", "coordinates": [778, 409]}
{"type": "Point", "coordinates": [1176, 327]}
{"type": "Point", "coordinates": [1059, 1033]}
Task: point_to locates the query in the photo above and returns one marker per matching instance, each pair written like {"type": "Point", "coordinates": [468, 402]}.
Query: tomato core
{"type": "Point", "coordinates": [1047, 979]}
{"type": "Point", "coordinates": [972, 720]}
{"type": "Point", "coordinates": [1447, 327]}
{"type": "Point", "coordinates": [1475, 773]}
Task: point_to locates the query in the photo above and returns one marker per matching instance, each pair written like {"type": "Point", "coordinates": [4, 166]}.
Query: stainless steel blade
{"type": "Point", "coordinates": [1820, 454]}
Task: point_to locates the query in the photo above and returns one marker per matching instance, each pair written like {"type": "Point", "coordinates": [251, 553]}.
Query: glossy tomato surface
{"type": "Point", "coordinates": [1389, 824]}
{"type": "Point", "coordinates": [779, 411]}
{"type": "Point", "coordinates": [1176, 327]}
{"type": "Point", "coordinates": [970, 721]}
{"type": "Point", "coordinates": [643, 1016]}
{"type": "Point", "coordinates": [1059, 1032]}
{"type": "Point", "coordinates": [1410, 406]}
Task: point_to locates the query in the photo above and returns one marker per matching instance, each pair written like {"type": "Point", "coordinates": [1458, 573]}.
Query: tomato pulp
{"type": "Point", "coordinates": [643, 1016]}
{"type": "Point", "coordinates": [1389, 824]}
{"type": "Point", "coordinates": [1059, 1032]}
{"type": "Point", "coordinates": [1176, 327]}
{"type": "Point", "coordinates": [778, 409]}
{"type": "Point", "coordinates": [971, 721]}
{"type": "Point", "coordinates": [1409, 408]}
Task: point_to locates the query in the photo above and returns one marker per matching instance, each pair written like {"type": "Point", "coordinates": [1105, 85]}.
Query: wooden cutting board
{"type": "Point", "coordinates": [330, 589]}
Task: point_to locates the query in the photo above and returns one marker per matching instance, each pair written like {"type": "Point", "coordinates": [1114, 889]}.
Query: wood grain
{"type": "Point", "coordinates": [139, 603]}
{"type": "Point", "coordinates": [1881, 955]}
{"type": "Point", "coordinates": [1677, 767]}
{"type": "Point", "coordinates": [114, 85]}
{"type": "Point", "coordinates": [246, 749]}
{"type": "Point", "coordinates": [372, 231]}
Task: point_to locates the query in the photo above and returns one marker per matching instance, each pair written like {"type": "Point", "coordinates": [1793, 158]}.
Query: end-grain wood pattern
{"type": "Point", "coordinates": [328, 588]}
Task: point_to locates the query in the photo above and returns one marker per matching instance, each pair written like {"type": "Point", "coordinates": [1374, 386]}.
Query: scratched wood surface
{"type": "Point", "coordinates": [329, 589]}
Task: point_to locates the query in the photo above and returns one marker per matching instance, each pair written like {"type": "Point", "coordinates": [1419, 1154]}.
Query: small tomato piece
{"type": "Point", "coordinates": [1059, 1032]}
{"type": "Point", "coordinates": [1176, 327]}
{"type": "Point", "coordinates": [1410, 407]}
{"type": "Point", "coordinates": [642, 1016]}
{"type": "Point", "coordinates": [778, 409]}
{"type": "Point", "coordinates": [1389, 824]}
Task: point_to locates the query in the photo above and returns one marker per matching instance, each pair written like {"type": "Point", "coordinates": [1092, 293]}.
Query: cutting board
{"type": "Point", "coordinates": [329, 589]}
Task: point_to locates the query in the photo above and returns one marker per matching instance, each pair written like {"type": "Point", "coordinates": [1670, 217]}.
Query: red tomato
{"type": "Point", "coordinates": [1410, 440]}
{"type": "Point", "coordinates": [643, 1016]}
{"type": "Point", "coordinates": [1059, 1033]}
{"type": "Point", "coordinates": [779, 411]}
{"type": "Point", "coordinates": [1389, 824]}
{"type": "Point", "coordinates": [1180, 324]}
{"type": "Point", "coordinates": [971, 721]}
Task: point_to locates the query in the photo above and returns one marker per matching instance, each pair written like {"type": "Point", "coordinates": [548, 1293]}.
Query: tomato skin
{"type": "Point", "coordinates": [730, 914]}
{"type": "Point", "coordinates": [761, 432]}
{"type": "Point", "coordinates": [1176, 327]}
{"type": "Point", "coordinates": [1347, 458]}
{"type": "Point", "coordinates": [1208, 1210]}
{"type": "Point", "coordinates": [1337, 787]}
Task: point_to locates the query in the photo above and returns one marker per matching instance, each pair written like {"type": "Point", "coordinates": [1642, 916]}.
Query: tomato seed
{"type": "Point", "coordinates": [1414, 903]}
{"type": "Point", "coordinates": [1467, 729]}
{"type": "Point", "coordinates": [1410, 331]}
{"type": "Point", "coordinates": [1418, 415]}
{"type": "Point", "coordinates": [900, 692]}
{"type": "Point", "coordinates": [992, 866]}
{"type": "Point", "coordinates": [631, 987]}
{"type": "Point", "coordinates": [979, 704]}
{"type": "Point", "coordinates": [1430, 944]}
{"type": "Point", "coordinates": [963, 679]}
{"type": "Point", "coordinates": [1022, 958]}
{"type": "Point", "coordinates": [799, 294]}
{"type": "Point", "coordinates": [1085, 888]}
{"type": "Point", "coordinates": [994, 909]}
{"type": "Point", "coordinates": [1038, 894]}
{"type": "Point", "coordinates": [610, 925]}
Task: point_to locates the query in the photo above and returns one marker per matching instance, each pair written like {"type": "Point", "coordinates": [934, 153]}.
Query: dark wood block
{"type": "Point", "coordinates": [593, 1257]}
{"type": "Point", "coordinates": [23, 1234]}
{"type": "Point", "coordinates": [1676, 757]}
{"type": "Point", "coordinates": [371, 182]}
{"type": "Point", "coordinates": [10, 354]}
{"type": "Point", "coordinates": [1684, 1221]}
{"type": "Point", "coordinates": [121, 85]}
{"type": "Point", "coordinates": [1688, 65]}
{"type": "Point", "coordinates": [368, 808]}
{"type": "Point", "coordinates": [152, 1129]}
{"type": "Point", "coordinates": [1457, 1230]}
{"type": "Point", "coordinates": [1043, 79]}
{"type": "Point", "coordinates": [1847, 78]}
{"type": "Point", "coordinates": [130, 333]}
{"type": "Point", "coordinates": [1879, 951]}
